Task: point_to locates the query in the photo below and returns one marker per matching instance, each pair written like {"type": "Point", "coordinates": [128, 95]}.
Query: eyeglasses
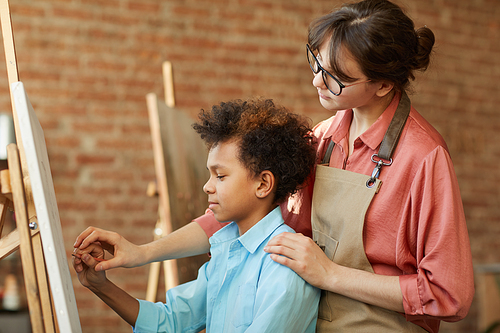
{"type": "Point", "coordinates": [331, 82]}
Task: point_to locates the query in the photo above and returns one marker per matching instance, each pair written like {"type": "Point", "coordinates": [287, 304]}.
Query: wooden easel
{"type": "Point", "coordinates": [52, 306]}
{"type": "Point", "coordinates": [180, 159]}
{"type": "Point", "coordinates": [164, 224]}
{"type": "Point", "coordinates": [13, 195]}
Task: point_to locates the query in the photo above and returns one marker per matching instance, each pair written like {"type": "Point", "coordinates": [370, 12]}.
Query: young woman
{"type": "Point", "coordinates": [389, 240]}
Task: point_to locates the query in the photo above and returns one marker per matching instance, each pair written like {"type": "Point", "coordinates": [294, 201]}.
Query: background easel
{"type": "Point", "coordinates": [180, 159]}
{"type": "Point", "coordinates": [27, 187]}
{"type": "Point", "coordinates": [164, 224]}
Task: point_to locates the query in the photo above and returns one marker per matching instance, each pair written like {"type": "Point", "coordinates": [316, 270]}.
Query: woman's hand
{"type": "Point", "coordinates": [125, 253]}
{"type": "Point", "coordinates": [302, 255]}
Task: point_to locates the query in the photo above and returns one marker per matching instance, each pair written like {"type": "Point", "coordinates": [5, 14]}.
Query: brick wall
{"type": "Point", "coordinates": [87, 66]}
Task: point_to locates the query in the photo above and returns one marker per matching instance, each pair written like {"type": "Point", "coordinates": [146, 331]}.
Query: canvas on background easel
{"type": "Point", "coordinates": [180, 167]}
{"type": "Point", "coordinates": [27, 187]}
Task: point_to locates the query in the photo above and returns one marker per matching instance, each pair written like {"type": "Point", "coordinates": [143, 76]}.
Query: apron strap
{"type": "Point", "coordinates": [391, 138]}
{"type": "Point", "coordinates": [395, 128]}
{"type": "Point", "coordinates": [328, 154]}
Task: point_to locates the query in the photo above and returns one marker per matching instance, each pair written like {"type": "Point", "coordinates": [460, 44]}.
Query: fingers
{"type": "Point", "coordinates": [92, 253]}
{"type": "Point", "coordinates": [287, 244]}
{"type": "Point", "coordinates": [106, 239]}
{"type": "Point", "coordinates": [287, 239]}
{"type": "Point", "coordinates": [88, 260]}
{"type": "Point", "coordinates": [298, 266]}
{"type": "Point", "coordinates": [77, 264]}
{"type": "Point", "coordinates": [83, 236]}
{"type": "Point", "coordinates": [107, 264]}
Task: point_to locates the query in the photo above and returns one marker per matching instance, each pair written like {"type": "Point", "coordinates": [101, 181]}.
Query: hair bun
{"type": "Point", "coordinates": [425, 41]}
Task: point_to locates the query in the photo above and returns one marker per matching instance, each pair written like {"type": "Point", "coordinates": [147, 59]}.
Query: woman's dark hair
{"type": "Point", "coordinates": [269, 138]}
{"type": "Point", "coordinates": [380, 36]}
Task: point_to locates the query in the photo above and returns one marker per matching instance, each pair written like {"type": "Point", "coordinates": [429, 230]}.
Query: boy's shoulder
{"type": "Point", "coordinates": [282, 228]}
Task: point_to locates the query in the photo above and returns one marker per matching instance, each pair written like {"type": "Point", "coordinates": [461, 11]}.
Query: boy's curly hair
{"type": "Point", "coordinates": [270, 138]}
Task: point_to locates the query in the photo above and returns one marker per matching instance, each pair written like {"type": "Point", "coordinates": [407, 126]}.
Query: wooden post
{"type": "Point", "coordinates": [27, 258]}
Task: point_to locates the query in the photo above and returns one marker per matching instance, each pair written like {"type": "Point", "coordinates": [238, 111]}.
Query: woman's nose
{"type": "Point", "coordinates": [318, 81]}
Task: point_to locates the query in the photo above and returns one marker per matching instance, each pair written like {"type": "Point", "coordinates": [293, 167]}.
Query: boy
{"type": "Point", "coordinates": [259, 154]}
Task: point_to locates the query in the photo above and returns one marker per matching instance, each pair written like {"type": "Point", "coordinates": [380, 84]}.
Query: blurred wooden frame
{"type": "Point", "coordinates": [487, 278]}
{"type": "Point", "coordinates": [180, 167]}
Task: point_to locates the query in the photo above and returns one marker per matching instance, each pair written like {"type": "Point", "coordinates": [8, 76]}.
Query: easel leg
{"type": "Point", "coordinates": [43, 285]}
{"type": "Point", "coordinates": [170, 270]}
{"type": "Point", "coordinates": [154, 277]}
{"type": "Point", "coordinates": [5, 201]}
{"type": "Point", "coordinates": [3, 212]}
{"type": "Point", "coordinates": [171, 274]}
{"type": "Point", "coordinates": [26, 249]}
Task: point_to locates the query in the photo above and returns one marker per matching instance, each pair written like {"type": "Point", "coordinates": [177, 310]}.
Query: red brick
{"type": "Point", "coordinates": [25, 10]}
{"type": "Point", "coordinates": [87, 66]}
{"type": "Point", "coordinates": [144, 6]}
{"type": "Point", "coordinates": [94, 159]}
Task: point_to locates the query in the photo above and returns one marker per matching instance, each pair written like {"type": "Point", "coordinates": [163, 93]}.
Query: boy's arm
{"type": "Point", "coordinates": [121, 302]}
{"type": "Point", "coordinates": [185, 308]}
{"type": "Point", "coordinates": [117, 299]}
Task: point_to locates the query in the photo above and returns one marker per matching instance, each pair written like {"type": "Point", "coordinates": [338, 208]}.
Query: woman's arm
{"type": "Point", "coordinates": [187, 241]}
{"type": "Point", "coordinates": [302, 255]}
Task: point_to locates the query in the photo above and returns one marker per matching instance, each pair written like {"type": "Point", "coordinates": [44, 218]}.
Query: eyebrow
{"type": "Point", "coordinates": [215, 166]}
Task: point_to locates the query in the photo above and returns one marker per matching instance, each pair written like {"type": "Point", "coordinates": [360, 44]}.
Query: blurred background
{"type": "Point", "coordinates": [88, 64]}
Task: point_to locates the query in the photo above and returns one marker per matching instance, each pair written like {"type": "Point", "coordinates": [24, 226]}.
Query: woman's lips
{"type": "Point", "coordinates": [322, 96]}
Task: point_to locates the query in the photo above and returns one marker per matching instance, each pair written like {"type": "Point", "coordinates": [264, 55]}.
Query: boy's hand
{"type": "Point", "coordinates": [125, 253]}
{"type": "Point", "coordinates": [84, 263]}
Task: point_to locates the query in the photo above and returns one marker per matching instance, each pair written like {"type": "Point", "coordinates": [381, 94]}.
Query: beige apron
{"type": "Point", "coordinates": [340, 201]}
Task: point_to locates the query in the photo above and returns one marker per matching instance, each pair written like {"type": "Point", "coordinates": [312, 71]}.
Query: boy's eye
{"type": "Point", "coordinates": [220, 177]}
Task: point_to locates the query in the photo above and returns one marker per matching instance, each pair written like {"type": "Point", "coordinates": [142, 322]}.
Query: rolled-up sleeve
{"type": "Point", "coordinates": [208, 223]}
{"type": "Point", "coordinates": [443, 286]}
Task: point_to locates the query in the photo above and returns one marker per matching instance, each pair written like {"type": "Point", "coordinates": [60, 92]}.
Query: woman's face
{"type": "Point", "coordinates": [356, 96]}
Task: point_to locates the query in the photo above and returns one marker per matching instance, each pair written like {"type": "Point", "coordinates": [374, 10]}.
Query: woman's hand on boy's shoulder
{"type": "Point", "coordinates": [301, 254]}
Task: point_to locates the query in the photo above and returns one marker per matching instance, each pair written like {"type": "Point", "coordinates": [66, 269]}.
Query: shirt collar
{"type": "Point", "coordinates": [254, 237]}
{"type": "Point", "coordinates": [373, 136]}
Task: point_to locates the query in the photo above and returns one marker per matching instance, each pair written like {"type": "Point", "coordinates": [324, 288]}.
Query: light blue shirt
{"type": "Point", "coordinates": [241, 289]}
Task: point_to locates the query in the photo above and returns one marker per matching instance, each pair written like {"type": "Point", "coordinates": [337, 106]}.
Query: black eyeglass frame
{"type": "Point", "coordinates": [324, 72]}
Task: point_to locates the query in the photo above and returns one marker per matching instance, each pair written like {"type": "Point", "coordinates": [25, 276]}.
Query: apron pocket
{"type": "Point", "coordinates": [326, 243]}
{"type": "Point", "coordinates": [329, 246]}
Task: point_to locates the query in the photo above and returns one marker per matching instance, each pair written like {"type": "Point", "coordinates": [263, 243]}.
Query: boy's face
{"type": "Point", "coordinates": [231, 189]}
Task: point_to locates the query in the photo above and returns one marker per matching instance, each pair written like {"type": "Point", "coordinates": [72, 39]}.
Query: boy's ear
{"type": "Point", "coordinates": [266, 184]}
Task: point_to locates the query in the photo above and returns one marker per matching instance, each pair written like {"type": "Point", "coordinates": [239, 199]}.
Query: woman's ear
{"type": "Point", "coordinates": [265, 186]}
{"type": "Point", "coordinates": [385, 88]}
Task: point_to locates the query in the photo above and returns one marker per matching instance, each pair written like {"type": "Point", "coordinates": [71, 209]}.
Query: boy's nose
{"type": "Point", "coordinates": [208, 188]}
